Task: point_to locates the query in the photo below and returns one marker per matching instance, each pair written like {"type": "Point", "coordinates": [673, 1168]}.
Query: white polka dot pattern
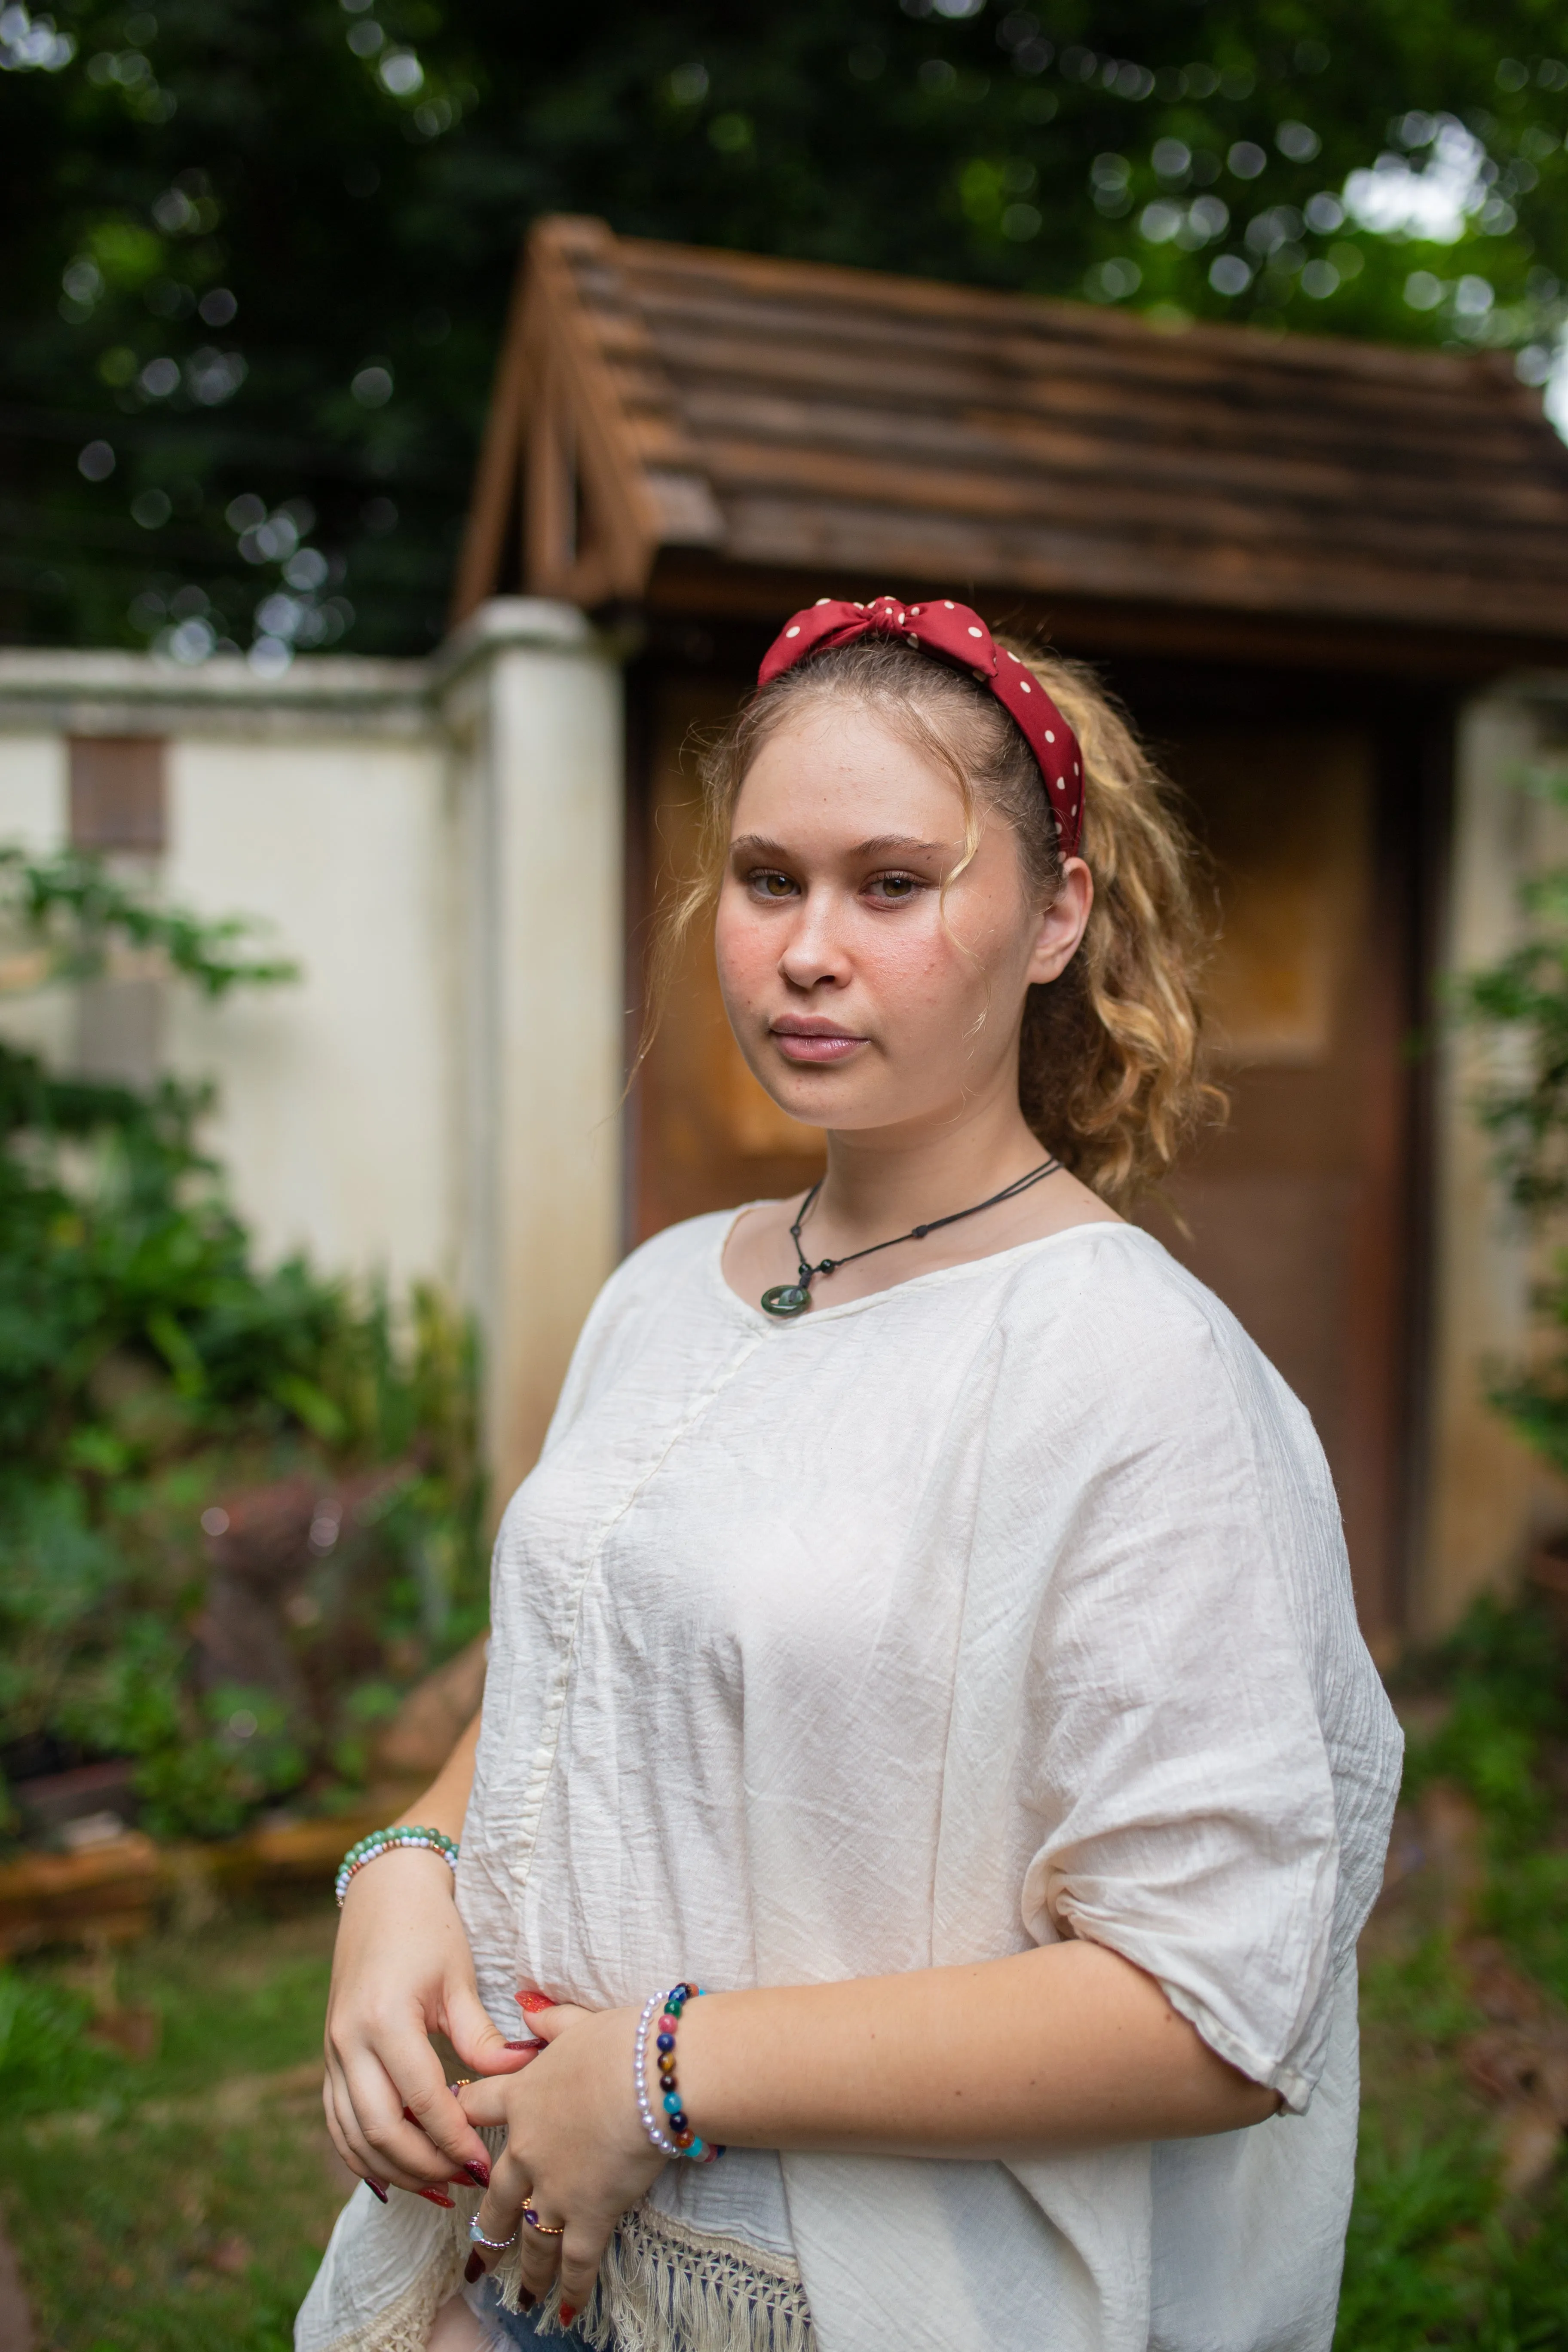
{"type": "Point", "coordinates": [831, 623]}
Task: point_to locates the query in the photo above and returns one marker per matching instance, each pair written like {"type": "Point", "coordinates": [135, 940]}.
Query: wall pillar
{"type": "Point", "coordinates": [1487, 1496]}
{"type": "Point", "coordinates": [531, 695]}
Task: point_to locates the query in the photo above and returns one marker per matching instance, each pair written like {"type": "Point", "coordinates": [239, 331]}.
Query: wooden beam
{"type": "Point", "coordinates": [691, 587]}
{"type": "Point", "coordinates": [496, 476]}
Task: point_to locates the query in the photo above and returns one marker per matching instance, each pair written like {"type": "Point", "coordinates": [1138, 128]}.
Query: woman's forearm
{"type": "Point", "coordinates": [445, 1802]}
{"type": "Point", "coordinates": [1067, 2045]}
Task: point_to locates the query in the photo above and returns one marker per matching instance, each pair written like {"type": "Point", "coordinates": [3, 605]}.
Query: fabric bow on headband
{"type": "Point", "coordinates": [953, 634]}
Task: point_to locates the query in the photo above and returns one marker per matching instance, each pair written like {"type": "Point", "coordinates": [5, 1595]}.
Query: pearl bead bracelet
{"type": "Point", "coordinates": [671, 2133]}
{"type": "Point", "coordinates": [380, 1841]}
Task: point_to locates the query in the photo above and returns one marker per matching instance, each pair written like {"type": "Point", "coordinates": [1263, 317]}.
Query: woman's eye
{"type": "Point", "coordinates": [771, 886]}
{"type": "Point", "coordinates": [894, 890]}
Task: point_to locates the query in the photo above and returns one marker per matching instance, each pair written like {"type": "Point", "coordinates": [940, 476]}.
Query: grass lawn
{"type": "Point", "coordinates": [178, 2201]}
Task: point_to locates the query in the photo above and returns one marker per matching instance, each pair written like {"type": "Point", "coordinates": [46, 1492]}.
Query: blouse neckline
{"type": "Point", "coordinates": [934, 1278]}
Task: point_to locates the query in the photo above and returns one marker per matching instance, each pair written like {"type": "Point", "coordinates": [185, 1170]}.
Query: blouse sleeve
{"type": "Point", "coordinates": [1181, 1772]}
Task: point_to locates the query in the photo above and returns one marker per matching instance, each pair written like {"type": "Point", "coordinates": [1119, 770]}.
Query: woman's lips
{"type": "Point", "coordinates": [815, 1046]}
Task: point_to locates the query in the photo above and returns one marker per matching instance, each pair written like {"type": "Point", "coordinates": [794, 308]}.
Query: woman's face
{"type": "Point", "coordinates": [861, 998]}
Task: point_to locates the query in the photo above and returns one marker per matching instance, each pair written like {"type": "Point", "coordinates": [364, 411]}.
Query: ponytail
{"type": "Point", "coordinates": [1110, 1066]}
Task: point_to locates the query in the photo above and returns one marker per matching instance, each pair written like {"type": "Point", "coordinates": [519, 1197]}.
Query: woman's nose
{"type": "Point", "coordinates": [814, 951]}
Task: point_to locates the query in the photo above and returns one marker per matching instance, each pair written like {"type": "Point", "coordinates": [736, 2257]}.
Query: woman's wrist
{"type": "Point", "coordinates": [655, 2079]}
{"type": "Point", "coordinates": [406, 1873]}
{"type": "Point", "coordinates": [417, 1835]}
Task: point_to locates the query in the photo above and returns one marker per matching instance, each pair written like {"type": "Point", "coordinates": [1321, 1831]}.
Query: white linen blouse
{"type": "Point", "coordinates": [1006, 1605]}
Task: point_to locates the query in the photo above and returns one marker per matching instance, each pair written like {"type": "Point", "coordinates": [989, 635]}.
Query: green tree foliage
{"type": "Point", "coordinates": [149, 1369]}
{"type": "Point", "coordinates": [257, 257]}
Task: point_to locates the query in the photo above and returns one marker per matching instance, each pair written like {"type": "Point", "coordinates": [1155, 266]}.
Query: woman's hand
{"type": "Point", "coordinates": [576, 2151]}
{"type": "Point", "coordinates": [402, 1971]}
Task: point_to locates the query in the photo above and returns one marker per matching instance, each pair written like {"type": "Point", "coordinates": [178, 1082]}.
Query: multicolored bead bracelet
{"type": "Point", "coordinates": [381, 1842]}
{"type": "Point", "coordinates": [671, 2133]}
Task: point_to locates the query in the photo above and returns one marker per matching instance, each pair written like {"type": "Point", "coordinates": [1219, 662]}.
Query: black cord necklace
{"type": "Point", "coordinates": [788, 1298]}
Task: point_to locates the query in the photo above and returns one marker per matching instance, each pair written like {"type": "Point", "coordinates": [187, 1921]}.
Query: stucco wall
{"type": "Point", "coordinates": [337, 1106]}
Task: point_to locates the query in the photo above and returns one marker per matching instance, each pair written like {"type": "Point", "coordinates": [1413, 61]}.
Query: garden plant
{"type": "Point", "coordinates": [240, 1505]}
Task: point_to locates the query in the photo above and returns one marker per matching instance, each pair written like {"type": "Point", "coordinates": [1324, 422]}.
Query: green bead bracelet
{"type": "Point", "coordinates": [381, 1842]}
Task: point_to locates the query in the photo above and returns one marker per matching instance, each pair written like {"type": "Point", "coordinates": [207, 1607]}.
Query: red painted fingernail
{"type": "Point", "coordinates": [479, 2172]}
{"type": "Point", "coordinates": [474, 2268]}
{"type": "Point", "coordinates": [568, 2314]}
{"type": "Point", "coordinates": [522, 2045]}
{"type": "Point", "coordinates": [459, 2180]}
{"type": "Point", "coordinates": [376, 2189]}
{"type": "Point", "coordinates": [531, 2003]}
{"type": "Point", "coordinates": [434, 2197]}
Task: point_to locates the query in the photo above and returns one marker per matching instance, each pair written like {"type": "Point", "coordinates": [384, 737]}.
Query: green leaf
{"type": "Point", "coordinates": [311, 1405]}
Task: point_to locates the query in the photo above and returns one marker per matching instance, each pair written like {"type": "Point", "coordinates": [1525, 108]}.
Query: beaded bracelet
{"type": "Point", "coordinates": [381, 1842]}
{"type": "Point", "coordinates": [682, 2140]}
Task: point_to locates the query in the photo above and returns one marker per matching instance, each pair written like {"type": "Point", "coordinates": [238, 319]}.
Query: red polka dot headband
{"type": "Point", "coordinates": [955, 633]}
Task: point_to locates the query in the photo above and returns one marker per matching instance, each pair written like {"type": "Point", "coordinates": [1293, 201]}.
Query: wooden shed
{"type": "Point", "coordinates": [1293, 557]}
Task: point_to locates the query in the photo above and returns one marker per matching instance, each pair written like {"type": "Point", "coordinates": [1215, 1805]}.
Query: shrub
{"type": "Point", "coordinates": [151, 1371]}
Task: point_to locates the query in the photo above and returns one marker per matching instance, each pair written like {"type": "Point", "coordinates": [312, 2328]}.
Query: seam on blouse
{"type": "Point", "coordinates": [989, 1358]}
{"type": "Point", "coordinates": [539, 1771]}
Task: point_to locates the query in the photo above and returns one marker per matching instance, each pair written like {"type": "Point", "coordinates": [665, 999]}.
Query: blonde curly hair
{"type": "Point", "coordinates": [1110, 1070]}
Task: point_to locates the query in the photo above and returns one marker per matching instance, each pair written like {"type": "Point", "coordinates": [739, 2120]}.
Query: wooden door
{"type": "Point", "coordinates": [1292, 1211]}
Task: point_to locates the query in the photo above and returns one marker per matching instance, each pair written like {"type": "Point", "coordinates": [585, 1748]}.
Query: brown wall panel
{"type": "Point", "coordinates": [117, 793]}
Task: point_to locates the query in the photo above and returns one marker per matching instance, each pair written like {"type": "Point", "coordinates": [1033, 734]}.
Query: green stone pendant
{"type": "Point", "coordinates": [788, 1298]}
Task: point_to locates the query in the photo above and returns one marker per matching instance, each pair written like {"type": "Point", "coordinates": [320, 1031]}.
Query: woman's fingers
{"type": "Point", "coordinates": [485, 2102]}
{"type": "Point", "coordinates": [557, 2018]}
{"type": "Point", "coordinates": [404, 2074]}
{"type": "Point", "coordinates": [475, 2038]}
{"type": "Point", "coordinates": [540, 2255]}
{"type": "Point", "coordinates": [581, 2252]}
{"type": "Point", "coordinates": [500, 2219]}
{"type": "Point", "coordinates": [335, 2132]}
{"type": "Point", "coordinates": [345, 2134]}
{"type": "Point", "coordinates": [439, 2112]}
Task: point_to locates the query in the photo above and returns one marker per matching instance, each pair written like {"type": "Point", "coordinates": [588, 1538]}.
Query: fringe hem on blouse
{"type": "Point", "coordinates": [664, 2286]}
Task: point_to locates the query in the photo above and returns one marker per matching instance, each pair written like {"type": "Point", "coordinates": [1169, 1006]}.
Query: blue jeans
{"type": "Point", "coordinates": [517, 2326]}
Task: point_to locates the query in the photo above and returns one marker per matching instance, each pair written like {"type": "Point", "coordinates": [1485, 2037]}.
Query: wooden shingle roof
{"type": "Point", "coordinates": [666, 413]}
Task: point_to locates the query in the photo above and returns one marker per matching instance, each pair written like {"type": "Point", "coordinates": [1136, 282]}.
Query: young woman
{"type": "Point", "coordinates": [927, 1630]}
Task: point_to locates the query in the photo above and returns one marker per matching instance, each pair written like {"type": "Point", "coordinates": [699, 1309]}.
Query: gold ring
{"type": "Point", "coordinates": [543, 2228]}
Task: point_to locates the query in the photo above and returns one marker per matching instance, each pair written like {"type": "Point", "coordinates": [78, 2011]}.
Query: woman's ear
{"type": "Point", "coordinates": [1061, 924]}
